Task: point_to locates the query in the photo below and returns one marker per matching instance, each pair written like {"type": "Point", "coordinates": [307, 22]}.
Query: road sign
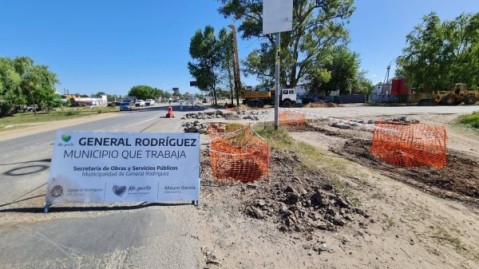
{"type": "Point", "coordinates": [277, 16]}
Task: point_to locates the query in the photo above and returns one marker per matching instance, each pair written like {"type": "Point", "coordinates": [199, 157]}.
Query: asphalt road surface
{"type": "Point", "coordinates": [88, 235]}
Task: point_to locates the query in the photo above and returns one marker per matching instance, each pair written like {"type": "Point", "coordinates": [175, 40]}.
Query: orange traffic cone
{"type": "Point", "coordinates": [170, 112]}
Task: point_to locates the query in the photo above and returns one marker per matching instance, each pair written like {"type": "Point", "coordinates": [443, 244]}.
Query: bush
{"type": "Point", "coordinates": [72, 113]}
{"type": "Point", "coordinates": [471, 120]}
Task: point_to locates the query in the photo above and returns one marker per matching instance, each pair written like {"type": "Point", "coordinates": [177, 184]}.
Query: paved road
{"type": "Point", "coordinates": [88, 236]}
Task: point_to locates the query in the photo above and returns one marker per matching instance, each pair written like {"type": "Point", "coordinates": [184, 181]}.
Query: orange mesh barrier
{"type": "Point", "coordinates": [291, 118]}
{"type": "Point", "coordinates": [215, 128]}
{"type": "Point", "coordinates": [239, 155]}
{"type": "Point", "coordinates": [410, 145]}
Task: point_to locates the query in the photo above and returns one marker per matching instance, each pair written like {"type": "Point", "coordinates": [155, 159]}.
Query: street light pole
{"type": "Point", "coordinates": [277, 75]}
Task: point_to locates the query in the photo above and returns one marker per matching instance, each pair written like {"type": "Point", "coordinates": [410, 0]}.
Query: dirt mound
{"type": "Point", "coordinates": [321, 104]}
{"type": "Point", "coordinates": [459, 179]}
{"type": "Point", "coordinates": [297, 201]}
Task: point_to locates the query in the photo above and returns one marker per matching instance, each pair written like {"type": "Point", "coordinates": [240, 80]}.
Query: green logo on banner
{"type": "Point", "coordinates": [66, 138]}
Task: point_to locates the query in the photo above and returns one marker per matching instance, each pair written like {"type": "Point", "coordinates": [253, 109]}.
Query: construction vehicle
{"type": "Point", "coordinates": [458, 94]}
{"type": "Point", "coordinates": [77, 100]}
{"type": "Point", "coordinates": [261, 96]}
{"type": "Point", "coordinates": [264, 96]}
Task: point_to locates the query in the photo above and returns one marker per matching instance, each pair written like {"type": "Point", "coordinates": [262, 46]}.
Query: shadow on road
{"type": "Point", "coordinates": [49, 160]}
{"type": "Point", "coordinates": [27, 169]}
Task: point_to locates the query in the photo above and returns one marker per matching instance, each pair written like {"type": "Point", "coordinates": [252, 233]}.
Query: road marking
{"type": "Point", "coordinates": [141, 122]}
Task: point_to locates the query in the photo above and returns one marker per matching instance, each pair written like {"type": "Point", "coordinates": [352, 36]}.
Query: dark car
{"type": "Point", "coordinates": [125, 106]}
{"type": "Point", "coordinates": [113, 104]}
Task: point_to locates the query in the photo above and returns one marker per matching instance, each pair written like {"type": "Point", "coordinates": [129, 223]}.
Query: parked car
{"type": "Point", "coordinates": [139, 102]}
{"type": "Point", "coordinates": [149, 102]}
{"type": "Point", "coordinates": [113, 104]}
{"type": "Point", "coordinates": [125, 106]}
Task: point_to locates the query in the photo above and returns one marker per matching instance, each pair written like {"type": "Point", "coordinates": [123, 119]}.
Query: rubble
{"type": "Point", "coordinates": [198, 127]}
{"type": "Point", "coordinates": [299, 204]}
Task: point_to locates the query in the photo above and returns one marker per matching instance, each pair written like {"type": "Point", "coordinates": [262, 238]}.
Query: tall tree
{"type": "Point", "coordinates": [343, 68]}
{"type": "Point", "coordinates": [142, 92]}
{"type": "Point", "coordinates": [22, 81]}
{"type": "Point", "coordinates": [226, 64]}
{"type": "Point", "coordinates": [10, 91]}
{"type": "Point", "coordinates": [206, 53]}
{"type": "Point", "coordinates": [318, 26]}
{"type": "Point", "coordinates": [440, 53]}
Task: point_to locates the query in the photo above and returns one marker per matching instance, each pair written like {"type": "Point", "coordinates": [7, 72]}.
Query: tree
{"type": "Point", "coordinates": [362, 85]}
{"type": "Point", "coordinates": [10, 92]}
{"type": "Point", "coordinates": [24, 82]}
{"type": "Point", "coordinates": [226, 62]}
{"type": "Point", "coordinates": [439, 54]}
{"type": "Point", "coordinates": [206, 53]}
{"type": "Point", "coordinates": [318, 26]}
{"type": "Point", "coordinates": [343, 68]}
{"type": "Point", "coordinates": [145, 92]}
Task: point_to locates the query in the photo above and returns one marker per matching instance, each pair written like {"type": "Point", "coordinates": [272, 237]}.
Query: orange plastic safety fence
{"type": "Point", "coordinates": [215, 129]}
{"type": "Point", "coordinates": [240, 155]}
{"type": "Point", "coordinates": [410, 145]}
{"type": "Point", "coordinates": [291, 118]}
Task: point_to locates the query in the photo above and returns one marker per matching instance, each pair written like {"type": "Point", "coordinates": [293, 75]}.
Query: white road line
{"type": "Point", "coordinates": [141, 122]}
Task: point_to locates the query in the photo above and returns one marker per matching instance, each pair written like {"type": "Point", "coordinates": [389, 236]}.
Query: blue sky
{"type": "Point", "coordinates": [111, 46]}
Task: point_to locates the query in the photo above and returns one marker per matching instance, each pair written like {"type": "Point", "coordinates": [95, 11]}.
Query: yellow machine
{"type": "Point", "coordinates": [457, 95]}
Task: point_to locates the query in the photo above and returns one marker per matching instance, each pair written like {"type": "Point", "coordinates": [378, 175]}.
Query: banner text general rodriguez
{"type": "Point", "coordinates": [138, 142]}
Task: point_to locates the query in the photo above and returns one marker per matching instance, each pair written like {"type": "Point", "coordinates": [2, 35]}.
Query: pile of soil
{"type": "Point", "coordinates": [458, 180]}
{"type": "Point", "coordinates": [321, 104]}
{"type": "Point", "coordinates": [294, 199]}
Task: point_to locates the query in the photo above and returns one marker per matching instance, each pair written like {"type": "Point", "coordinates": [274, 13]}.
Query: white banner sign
{"type": "Point", "coordinates": [90, 167]}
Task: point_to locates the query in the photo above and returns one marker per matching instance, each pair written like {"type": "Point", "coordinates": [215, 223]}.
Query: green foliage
{"type": "Point", "coordinates": [278, 139]}
{"type": "Point", "coordinates": [362, 85]}
{"type": "Point", "coordinates": [440, 53]}
{"type": "Point", "coordinates": [22, 82]}
{"type": "Point", "coordinates": [206, 51]}
{"type": "Point", "coordinates": [318, 27]}
{"type": "Point", "coordinates": [342, 67]}
{"type": "Point", "coordinates": [470, 120]}
{"type": "Point", "coordinates": [226, 62]}
{"type": "Point", "coordinates": [147, 92]}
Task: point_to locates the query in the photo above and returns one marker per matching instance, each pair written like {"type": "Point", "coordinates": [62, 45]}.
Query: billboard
{"type": "Point", "coordinates": [102, 167]}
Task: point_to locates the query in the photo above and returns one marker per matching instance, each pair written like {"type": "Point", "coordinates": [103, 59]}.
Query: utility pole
{"type": "Point", "coordinates": [277, 77]}
{"type": "Point", "coordinates": [236, 70]}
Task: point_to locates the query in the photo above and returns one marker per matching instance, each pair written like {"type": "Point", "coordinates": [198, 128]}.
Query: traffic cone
{"type": "Point", "coordinates": [170, 112]}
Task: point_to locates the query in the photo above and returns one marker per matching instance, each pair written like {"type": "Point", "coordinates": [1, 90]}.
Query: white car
{"type": "Point", "coordinates": [149, 102]}
{"type": "Point", "coordinates": [139, 102]}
